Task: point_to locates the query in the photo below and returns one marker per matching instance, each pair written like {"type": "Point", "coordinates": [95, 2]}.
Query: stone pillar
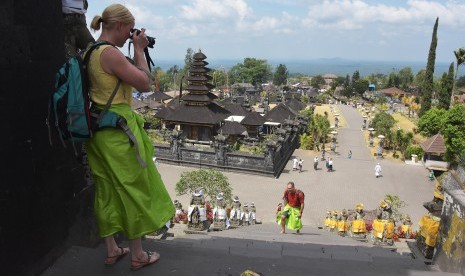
{"type": "Point", "coordinates": [221, 149]}
{"type": "Point", "coordinates": [175, 144]}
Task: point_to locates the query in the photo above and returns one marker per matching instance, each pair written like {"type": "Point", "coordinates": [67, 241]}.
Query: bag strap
{"type": "Point", "coordinates": [118, 84]}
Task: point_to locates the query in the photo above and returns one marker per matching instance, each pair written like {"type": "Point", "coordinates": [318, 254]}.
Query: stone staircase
{"type": "Point", "coordinates": [259, 248]}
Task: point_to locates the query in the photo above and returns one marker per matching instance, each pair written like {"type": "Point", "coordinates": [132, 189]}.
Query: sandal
{"type": "Point", "coordinates": [113, 259]}
{"type": "Point", "coordinates": [136, 264]}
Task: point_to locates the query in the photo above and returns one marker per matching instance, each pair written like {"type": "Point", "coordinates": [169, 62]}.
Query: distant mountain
{"type": "Point", "coordinates": [313, 67]}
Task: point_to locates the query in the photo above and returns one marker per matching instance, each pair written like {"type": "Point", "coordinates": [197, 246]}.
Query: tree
{"type": "Point", "coordinates": [432, 122]}
{"type": "Point", "coordinates": [281, 75]}
{"type": "Point", "coordinates": [460, 59]}
{"type": "Point", "coordinates": [360, 86]}
{"type": "Point", "coordinates": [393, 80]}
{"type": "Point", "coordinates": [427, 87]}
{"type": "Point", "coordinates": [319, 127]}
{"type": "Point", "coordinates": [355, 76]}
{"type": "Point", "coordinates": [211, 181]}
{"type": "Point", "coordinates": [445, 89]}
{"type": "Point", "coordinates": [405, 77]}
{"type": "Point", "coordinates": [419, 78]}
{"type": "Point", "coordinates": [454, 132]}
{"type": "Point", "coordinates": [383, 122]}
{"type": "Point", "coordinates": [460, 82]}
{"type": "Point", "coordinates": [317, 81]}
{"type": "Point", "coordinates": [188, 59]}
{"type": "Point", "coordinates": [252, 70]}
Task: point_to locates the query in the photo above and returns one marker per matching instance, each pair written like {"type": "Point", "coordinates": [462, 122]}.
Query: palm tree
{"type": "Point", "coordinates": [460, 59]}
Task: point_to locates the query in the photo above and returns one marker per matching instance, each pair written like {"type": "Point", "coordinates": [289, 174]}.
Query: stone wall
{"type": "Point", "coordinates": [203, 157]}
{"type": "Point", "coordinates": [450, 247]}
{"type": "Point", "coordinates": [41, 187]}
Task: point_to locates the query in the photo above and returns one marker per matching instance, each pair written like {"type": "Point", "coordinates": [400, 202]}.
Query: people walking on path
{"type": "Point", "coordinates": [378, 170]}
{"type": "Point", "coordinates": [315, 163]}
{"type": "Point", "coordinates": [349, 156]}
{"type": "Point", "coordinates": [291, 215]}
{"type": "Point", "coordinates": [300, 163]}
{"type": "Point", "coordinates": [330, 164]}
{"type": "Point", "coordinates": [323, 151]}
{"type": "Point", "coordinates": [295, 163]}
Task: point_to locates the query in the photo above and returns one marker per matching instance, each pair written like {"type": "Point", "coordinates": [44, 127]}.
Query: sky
{"type": "Point", "coordinates": [367, 30]}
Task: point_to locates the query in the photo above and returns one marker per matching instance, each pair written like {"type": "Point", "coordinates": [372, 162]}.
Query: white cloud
{"type": "Point", "coordinates": [213, 9]}
{"type": "Point", "coordinates": [357, 14]}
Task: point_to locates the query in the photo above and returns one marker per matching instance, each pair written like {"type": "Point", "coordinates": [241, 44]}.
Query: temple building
{"type": "Point", "coordinates": [198, 116]}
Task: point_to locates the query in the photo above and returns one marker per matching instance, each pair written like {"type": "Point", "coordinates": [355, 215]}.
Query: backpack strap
{"type": "Point", "coordinates": [127, 130]}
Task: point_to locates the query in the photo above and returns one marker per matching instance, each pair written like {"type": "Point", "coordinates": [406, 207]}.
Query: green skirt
{"type": "Point", "coordinates": [292, 222]}
{"type": "Point", "coordinates": [128, 198]}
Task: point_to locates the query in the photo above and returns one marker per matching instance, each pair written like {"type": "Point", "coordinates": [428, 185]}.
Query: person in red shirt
{"type": "Point", "coordinates": [291, 215]}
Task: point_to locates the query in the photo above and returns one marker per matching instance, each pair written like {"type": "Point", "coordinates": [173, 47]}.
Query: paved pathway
{"type": "Point", "coordinates": [261, 247]}
{"type": "Point", "coordinates": [352, 181]}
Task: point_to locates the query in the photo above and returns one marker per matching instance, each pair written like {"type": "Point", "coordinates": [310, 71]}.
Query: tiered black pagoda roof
{"type": "Point", "coordinates": [197, 106]}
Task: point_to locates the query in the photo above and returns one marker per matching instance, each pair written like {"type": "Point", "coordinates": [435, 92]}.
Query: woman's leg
{"type": "Point", "coordinates": [138, 254]}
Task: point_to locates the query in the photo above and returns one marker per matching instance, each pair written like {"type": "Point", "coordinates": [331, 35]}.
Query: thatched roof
{"type": "Point", "coordinates": [253, 119]}
{"type": "Point", "coordinates": [434, 144]}
{"type": "Point", "coordinates": [138, 104]}
{"type": "Point", "coordinates": [294, 104]}
{"type": "Point", "coordinates": [159, 96]}
{"type": "Point", "coordinates": [232, 128]}
{"type": "Point", "coordinates": [236, 109]}
{"type": "Point", "coordinates": [209, 114]}
{"type": "Point", "coordinates": [165, 111]}
{"type": "Point", "coordinates": [280, 113]}
{"type": "Point", "coordinates": [392, 91]}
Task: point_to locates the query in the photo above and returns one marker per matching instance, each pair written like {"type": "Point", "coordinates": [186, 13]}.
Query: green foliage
{"type": "Point", "coordinates": [427, 87]}
{"type": "Point", "coordinates": [355, 76]}
{"type": "Point", "coordinates": [236, 146]}
{"type": "Point", "coordinates": [446, 87]}
{"type": "Point", "coordinates": [396, 205]}
{"type": "Point", "coordinates": [432, 122]}
{"type": "Point", "coordinates": [414, 149]}
{"type": "Point", "coordinates": [460, 82]}
{"type": "Point", "coordinates": [400, 140]}
{"type": "Point", "coordinates": [318, 128]}
{"type": "Point", "coordinates": [212, 182]}
{"type": "Point", "coordinates": [252, 70]}
{"type": "Point", "coordinates": [451, 124]}
{"type": "Point", "coordinates": [419, 78]}
{"type": "Point", "coordinates": [317, 81]}
{"type": "Point", "coordinates": [281, 74]}
{"type": "Point", "coordinates": [156, 137]}
{"type": "Point", "coordinates": [151, 120]}
{"type": "Point", "coordinates": [454, 132]}
{"type": "Point", "coordinates": [393, 80]}
{"type": "Point", "coordinates": [306, 141]}
{"type": "Point", "coordinates": [360, 86]}
{"type": "Point", "coordinates": [405, 76]}
{"type": "Point", "coordinates": [383, 122]}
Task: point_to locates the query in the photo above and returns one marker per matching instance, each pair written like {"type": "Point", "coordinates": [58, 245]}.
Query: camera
{"type": "Point", "coordinates": [149, 38]}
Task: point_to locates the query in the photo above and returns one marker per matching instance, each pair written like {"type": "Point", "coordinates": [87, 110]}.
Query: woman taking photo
{"type": "Point", "coordinates": [129, 197]}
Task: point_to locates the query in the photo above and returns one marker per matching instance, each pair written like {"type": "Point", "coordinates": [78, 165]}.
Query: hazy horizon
{"type": "Point", "coordinates": [337, 66]}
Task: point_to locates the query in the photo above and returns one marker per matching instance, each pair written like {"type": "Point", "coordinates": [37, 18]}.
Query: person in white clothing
{"type": "Point", "coordinates": [295, 164]}
{"type": "Point", "coordinates": [378, 170]}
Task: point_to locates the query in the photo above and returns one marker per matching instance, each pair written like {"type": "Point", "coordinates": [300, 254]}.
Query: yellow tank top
{"type": "Point", "coordinates": [102, 84]}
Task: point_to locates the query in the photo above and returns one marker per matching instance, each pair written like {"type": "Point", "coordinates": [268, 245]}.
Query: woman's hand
{"type": "Point", "coordinates": [140, 40]}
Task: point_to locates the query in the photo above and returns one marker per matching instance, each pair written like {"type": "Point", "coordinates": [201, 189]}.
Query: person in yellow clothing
{"type": "Point", "coordinates": [130, 196]}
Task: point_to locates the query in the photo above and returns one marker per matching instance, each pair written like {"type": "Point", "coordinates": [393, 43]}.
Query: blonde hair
{"type": "Point", "coordinates": [112, 14]}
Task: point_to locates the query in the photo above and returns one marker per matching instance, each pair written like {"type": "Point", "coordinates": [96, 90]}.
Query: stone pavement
{"type": "Point", "coordinates": [261, 247]}
{"type": "Point", "coordinates": [352, 181]}
{"type": "Point", "coordinates": [258, 248]}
